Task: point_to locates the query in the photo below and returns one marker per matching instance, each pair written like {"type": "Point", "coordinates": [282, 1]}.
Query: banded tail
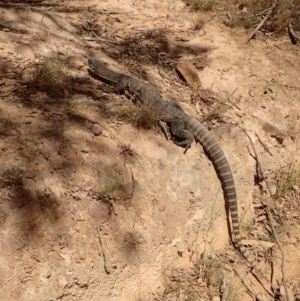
{"type": "Point", "coordinates": [217, 156]}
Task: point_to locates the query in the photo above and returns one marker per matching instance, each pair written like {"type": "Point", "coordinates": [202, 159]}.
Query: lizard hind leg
{"type": "Point", "coordinates": [180, 135]}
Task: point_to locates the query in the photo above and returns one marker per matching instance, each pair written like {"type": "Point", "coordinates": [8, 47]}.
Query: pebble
{"type": "Point", "coordinates": [26, 52]}
{"type": "Point", "coordinates": [30, 174]}
{"type": "Point", "coordinates": [251, 93]}
{"type": "Point", "coordinates": [81, 254]}
{"type": "Point", "coordinates": [99, 211]}
{"type": "Point", "coordinates": [78, 64]}
{"type": "Point", "coordinates": [62, 52]}
{"type": "Point", "coordinates": [261, 297]}
{"type": "Point", "coordinates": [96, 129]}
{"type": "Point", "coordinates": [266, 244]}
{"type": "Point", "coordinates": [16, 294]}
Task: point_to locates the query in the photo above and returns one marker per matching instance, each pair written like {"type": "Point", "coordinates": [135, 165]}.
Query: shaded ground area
{"type": "Point", "coordinates": [95, 202]}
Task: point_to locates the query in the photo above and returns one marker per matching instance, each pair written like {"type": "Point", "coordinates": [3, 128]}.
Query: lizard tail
{"type": "Point", "coordinates": [217, 156]}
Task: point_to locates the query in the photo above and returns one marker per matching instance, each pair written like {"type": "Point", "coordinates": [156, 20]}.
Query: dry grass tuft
{"type": "Point", "coordinates": [288, 197]}
{"type": "Point", "coordinates": [287, 180]}
{"type": "Point", "coordinates": [201, 5]}
{"type": "Point", "coordinates": [47, 77]}
{"type": "Point", "coordinates": [283, 13]}
{"type": "Point", "coordinates": [4, 67]}
{"type": "Point", "coordinates": [7, 126]}
{"type": "Point", "coordinates": [203, 279]}
{"type": "Point", "coordinates": [141, 116]}
{"type": "Point", "coordinates": [199, 23]}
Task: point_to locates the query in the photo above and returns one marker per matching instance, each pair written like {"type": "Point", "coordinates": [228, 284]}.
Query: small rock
{"type": "Point", "coordinates": [62, 52]}
{"type": "Point", "coordinates": [78, 227]}
{"type": "Point", "coordinates": [184, 39]}
{"type": "Point", "coordinates": [76, 61]}
{"type": "Point", "coordinates": [78, 64]}
{"type": "Point", "coordinates": [261, 297]}
{"type": "Point", "coordinates": [6, 29]}
{"type": "Point", "coordinates": [62, 281]}
{"type": "Point", "coordinates": [266, 244]}
{"type": "Point", "coordinates": [228, 267]}
{"type": "Point", "coordinates": [105, 134]}
{"type": "Point", "coordinates": [238, 112]}
{"type": "Point", "coordinates": [189, 73]}
{"type": "Point", "coordinates": [26, 255]}
{"type": "Point", "coordinates": [250, 242]}
{"type": "Point", "coordinates": [16, 294]}
{"type": "Point", "coordinates": [96, 129]}
{"type": "Point", "coordinates": [251, 93]}
{"type": "Point", "coordinates": [48, 274]}
{"type": "Point", "coordinates": [82, 255]}
{"type": "Point", "coordinates": [88, 260]}
{"type": "Point", "coordinates": [99, 211]}
{"type": "Point", "coordinates": [30, 174]}
{"type": "Point", "coordinates": [26, 51]}
{"type": "Point", "coordinates": [274, 132]}
{"type": "Point", "coordinates": [56, 248]}
{"type": "Point", "coordinates": [260, 218]}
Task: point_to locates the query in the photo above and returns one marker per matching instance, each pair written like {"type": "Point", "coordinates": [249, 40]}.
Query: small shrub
{"type": "Point", "coordinates": [48, 77]}
{"type": "Point", "coordinates": [141, 116]}
{"type": "Point", "coordinates": [248, 22]}
{"type": "Point", "coordinates": [201, 5]}
{"type": "Point", "coordinates": [232, 22]}
{"type": "Point", "coordinates": [199, 23]}
{"type": "Point", "coordinates": [7, 125]}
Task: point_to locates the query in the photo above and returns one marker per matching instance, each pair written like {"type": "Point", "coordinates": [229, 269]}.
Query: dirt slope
{"type": "Point", "coordinates": [106, 212]}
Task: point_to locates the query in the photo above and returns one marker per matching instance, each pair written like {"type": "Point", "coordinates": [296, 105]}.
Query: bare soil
{"type": "Point", "coordinates": [93, 207]}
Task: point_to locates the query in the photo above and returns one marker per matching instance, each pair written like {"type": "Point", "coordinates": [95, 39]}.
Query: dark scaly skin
{"type": "Point", "coordinates": [185, 128]}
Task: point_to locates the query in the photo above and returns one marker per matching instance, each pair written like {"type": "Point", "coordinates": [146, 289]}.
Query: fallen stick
{"type": "Point", "coordinates": [99, 39]}
{"type": "Point", "coordinates": [295, 38]}
{"type": "Point", "coordinates": [261, 23]}
{"type": "Point", "coordinates": [271, 220]}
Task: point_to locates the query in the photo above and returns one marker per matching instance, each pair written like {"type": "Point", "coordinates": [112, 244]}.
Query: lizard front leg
{"type": "Point", "coordinates": [180, 135]}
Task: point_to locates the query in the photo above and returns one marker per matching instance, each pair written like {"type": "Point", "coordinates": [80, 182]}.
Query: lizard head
{"type": "Point", "coordinates": [92, 64]}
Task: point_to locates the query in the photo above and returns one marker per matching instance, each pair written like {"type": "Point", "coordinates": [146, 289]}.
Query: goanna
{"type": "Point", "coordinates": [184, 130]}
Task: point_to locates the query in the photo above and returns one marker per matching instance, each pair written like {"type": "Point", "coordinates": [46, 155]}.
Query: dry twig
{"type": "Point", "coordinates": [224, 287]}
{"type": "Point", "coordinates": [264, 145]}
{"type": "Point", "coordinates": [103, 252]}
{"type": "Point", "coordinates": [99, 39]}
{"type": "Point", "coordinates": [294, 36]}
{"type": "Point", "coordinates": [245, 284]}
{"type": "Point", "coordinates": [271, 220]}
{"type": "Point", "coordinates": [261, 23]}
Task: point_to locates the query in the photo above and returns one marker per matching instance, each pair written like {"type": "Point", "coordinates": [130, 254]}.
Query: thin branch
{"type": "Point", "coordinates": [8, 75]}
{"type": "Point", "coordinates": [103, 252]}
{"type": "Point", "coordinates": [263, 144]}
{"type": "Point", "coordinates": [295, 37]}
{"type": "Point", "coordinates": [224, 287]}
{"type": "Point", "coordinates": [99, 39]}
{"type": "Point", "coordinates": [245, 284]}
{"type": "Point", "coordinates": [271, 221]}
{"type": "Point", "coordinates": [131, 195]}
{"type": "Point", "coordinates": [8, 92]}
{"type": "Point", "coordinates": [261, 23]}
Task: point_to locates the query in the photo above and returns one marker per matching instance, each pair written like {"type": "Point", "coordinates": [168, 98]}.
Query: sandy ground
{"type": "Point", "coordinates": [94, 208]}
